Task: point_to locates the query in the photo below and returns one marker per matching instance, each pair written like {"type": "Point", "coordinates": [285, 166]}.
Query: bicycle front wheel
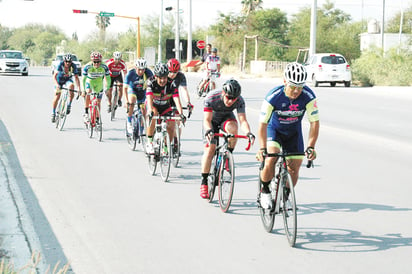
{"type": "Point", "coordinates": [288, 203]}
{"type": "Point", "coordinates": [62, 114]}
{"type": "Point", "coordinates": [266, 215]}
{"type": "Point", "coordinates": [212, 181]}
{"type": "Point", "coordinates": [226, 181]}
{"type": "Point", "coordinates": [142, 131]}
{"type": "Point", "coordinates": [92, 122]}
{"type": "Point", "coordinates": [99, 124]}
{"type": "Point", "coordinates": [58, 108]}
{"type": "Point", "coordinates": [176, 145]}
{"type": "Point", "coordinates": [165, 156]}
{"type": "Point", "coordinates": [131, 136]}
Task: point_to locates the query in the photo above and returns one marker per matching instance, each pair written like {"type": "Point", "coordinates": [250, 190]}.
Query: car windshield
{"type": "Point", "coordinates": [11, 55]}
{"type": "Point", "coordinates": [333, 60]}
{"type": "Point", "coordinates": [60, 57]}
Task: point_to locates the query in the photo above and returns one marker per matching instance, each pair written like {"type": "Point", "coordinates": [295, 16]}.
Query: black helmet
{"type": "Point", "coordinates": [161, 70]}
{"type": "Point", "coordinates": [214, 49]}
{"type": "Point", "coordinates": [232, 88]}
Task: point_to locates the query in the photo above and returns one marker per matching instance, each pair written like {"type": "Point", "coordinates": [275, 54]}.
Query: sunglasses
{"type": "Point", "coordinates": [96, 62]}
{"type": "Point", "coordinates": [68, 61]}
{"type": "Point", "coordinates": [230, 97]}
{"type": "Point", "coordinates": [294, 86]}
{"type": "Point", "coordinates": [172, 72]}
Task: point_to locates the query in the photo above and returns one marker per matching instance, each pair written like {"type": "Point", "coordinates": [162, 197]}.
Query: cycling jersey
{"type": "Point", "coordinates": [116, 69]}
{"type": "Point", "coordinates": [137, 84]}
{"type": "Point", "coordinates": [93, 77]}
{"type": "Point", "coordinates": [213, 62]}
{"type": "Point", "coordinates": [284, 114]}
{"type": "Point", "coordinates": [161, 95]}
{"type": "Point", "coordinates": [180, 80]}
{"type": "Point", "coordinates": [66, 76]}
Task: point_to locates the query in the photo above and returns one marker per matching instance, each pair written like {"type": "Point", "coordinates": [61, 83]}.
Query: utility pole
{"type": "Point", "coordinates": [177, 35]}
{"type": "Point", "coordinates": [189, 34]}
{"type": "Point", "coordinates": [313, 19]}
{"type": "Point", "coordinates": [159, 54]}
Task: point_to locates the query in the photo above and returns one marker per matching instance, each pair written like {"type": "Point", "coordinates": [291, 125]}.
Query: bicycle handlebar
{"type": "Point", "coordinates": [285, 154]}
{"type": "Point", "coordinates": [73, 90]}
{"type": "Point", "coordinates": [229, 135]}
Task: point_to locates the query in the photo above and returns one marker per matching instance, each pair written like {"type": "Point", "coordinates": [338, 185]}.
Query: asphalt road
{"type": "Point", "coordinates": [94, 205]}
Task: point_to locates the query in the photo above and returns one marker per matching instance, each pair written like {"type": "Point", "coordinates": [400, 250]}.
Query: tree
{"type": "Point", "coordinates": [248, 6]}
{"type": "Point", "coordinates": [5, 34]}
{"type": "Point", "coordinates": [102, 22]}
{"type": "Point", "coordinates": [393, 24]}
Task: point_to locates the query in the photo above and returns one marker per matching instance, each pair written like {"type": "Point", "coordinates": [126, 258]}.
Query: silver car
{"type": "Point", "coordinates": [13, 61]}
{"type": "Point", "coordinates": [329, 68]}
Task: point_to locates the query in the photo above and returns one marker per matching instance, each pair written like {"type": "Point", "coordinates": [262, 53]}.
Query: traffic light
{"type": "Point", "coordinates": [79, 11]}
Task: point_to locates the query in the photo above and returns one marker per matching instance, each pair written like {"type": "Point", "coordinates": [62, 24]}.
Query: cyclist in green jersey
{"type": "Point", "coordinates": [94, 73]}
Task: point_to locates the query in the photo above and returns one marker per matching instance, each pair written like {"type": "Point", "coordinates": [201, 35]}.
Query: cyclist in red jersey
{"type": "Point", "coordinates": [116, 66]}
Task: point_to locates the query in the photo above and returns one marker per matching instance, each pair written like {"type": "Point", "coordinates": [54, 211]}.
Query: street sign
{"type": "Point", "coordinates": [106, 14]}
{"type": "Point", "coordinates": [201, 44]}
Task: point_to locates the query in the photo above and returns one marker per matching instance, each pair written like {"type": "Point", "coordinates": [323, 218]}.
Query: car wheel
{"type": "Point", "coordinates": [315, 83]}
{"type": "Point", "coordinates": [347, 84]}
{"type": "Point", "coordinates": [332, 84]}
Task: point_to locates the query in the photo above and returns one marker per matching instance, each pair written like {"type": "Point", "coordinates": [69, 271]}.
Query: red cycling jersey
{"type": "Point", "coordinates": [115, 69]}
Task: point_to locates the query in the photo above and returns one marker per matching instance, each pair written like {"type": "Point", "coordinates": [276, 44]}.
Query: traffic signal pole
{"type": "Point", "coordinates": [110, 14]}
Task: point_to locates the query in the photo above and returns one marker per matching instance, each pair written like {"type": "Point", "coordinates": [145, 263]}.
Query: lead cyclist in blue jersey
{"type": "Point", "coordinates": [280, 126]}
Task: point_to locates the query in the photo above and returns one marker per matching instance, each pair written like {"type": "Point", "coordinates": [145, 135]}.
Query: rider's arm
{"type": "Point", "coordinates": [243, 122]}
{"type": "Point", "coordinates": [207, 120]}
{"type": "Point", "coordinates": [108, 78]}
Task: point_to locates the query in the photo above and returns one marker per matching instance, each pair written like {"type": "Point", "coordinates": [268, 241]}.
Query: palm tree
{"type": "Point", "coordinates": [102, 22]}
{"type": "Point", "coordinates": [250, 5]}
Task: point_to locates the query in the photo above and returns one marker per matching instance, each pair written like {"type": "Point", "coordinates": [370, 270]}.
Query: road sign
{"type": "Point", "coordinates": [201, 44]}
{"type": "Point", "coordinates": [106, 14]}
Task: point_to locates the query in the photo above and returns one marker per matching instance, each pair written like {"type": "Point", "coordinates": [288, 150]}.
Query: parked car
{"type": "Point", "coordinates": [59, 58]}
{"type": "Point", "coordinates": [13, 61]}
{"type": "Point", "coordinates": [329, 68]}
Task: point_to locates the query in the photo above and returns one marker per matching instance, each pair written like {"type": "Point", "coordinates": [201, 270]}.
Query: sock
{"type": "Point", "coordinates": [265, 186]}
{"type": "Point", "coordinates": [204, 178]}
{"type": "Point", "coordinates": [230, 149]}
{"type": "Point", "coordinates": [129, 119]}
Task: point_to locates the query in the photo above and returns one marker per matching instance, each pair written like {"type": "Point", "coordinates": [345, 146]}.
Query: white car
{"type": "Point", "coordinates": [329, 68]}
{"type": "Point", "coordinates": [59, 58]}
{"type": "Point", "coordinates": [13, 61]}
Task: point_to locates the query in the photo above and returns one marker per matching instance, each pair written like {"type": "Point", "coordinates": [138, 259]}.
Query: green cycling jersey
{"type": "Point", "coordinates": [93, 77]}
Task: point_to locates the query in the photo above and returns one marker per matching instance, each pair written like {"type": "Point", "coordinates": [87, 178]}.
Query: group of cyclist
{"type": "Point", "coordinates": [280, 118]}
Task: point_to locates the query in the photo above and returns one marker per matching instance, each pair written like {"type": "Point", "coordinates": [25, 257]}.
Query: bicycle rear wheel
{"type": "Point", "coordinates": [288, 203]}
{"type": "Point", "coordinates": [226, 181]}
{"type": "Point", "coordinates": [115, 98]}
{"type": "Point", "coordinates": [212, 181]}
{"type": "Point", "coordinates": [131, 136]}
{"type": "Point", "coordinates": [266, 215]}
{"type": "Point", "coordinates": [165, 156]}
{"type": "Point", "coordinates": [99, 124]}
{"type": "Point", "coordinates": [176, 145]}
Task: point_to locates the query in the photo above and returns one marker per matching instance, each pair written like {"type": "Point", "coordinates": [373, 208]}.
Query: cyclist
{"type": "Point", "coordinates": [179, 79]}
{"type": "Point", "coordinates": [64, 76]}
{"type": "Point", "coordinates": [116, 66]}
{"type": "Point", "coordinates": [212, 66]}
{"type": "Point", "coordinates": [94, 73]}
{"type": "Point", "coordinates": [280, 126]}
{"type": "Point", "coordinates": [159, 93]}
{"type": "Point", "coordinates": [218, 115]}
{"type": "Point", "coordinates": [136, 88]}
{"type": "Point", "coordinates": [207, 52]}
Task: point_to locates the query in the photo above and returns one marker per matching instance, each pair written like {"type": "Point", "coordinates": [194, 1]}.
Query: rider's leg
{"type": "Point", "coordinates": [109, 98]}
{"type": "Point", "coordinates": [293, 168]}
{"type": "Point", "coordinates": [230, 126]}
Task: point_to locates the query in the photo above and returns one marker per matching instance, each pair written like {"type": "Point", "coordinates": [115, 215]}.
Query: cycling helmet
{"type": "Point", "coordinates": [161, 70]}
{"type": "Point", "coordinates": [117, 55]}
{"type": "Point", "coordinates": [173, 65]}
{"type": "Point", "coordinates": [96, 56]}
{"type": "Point", "coordinates": [232, 88]}
{"type": "Point", "coordinates": [141, 63]}
{"type": "Point", "coordinates": [295, 73]}
{"type": "Point", "coordinates": [67, 57]}
{"type": "Point", "coordinates": [214, 49]}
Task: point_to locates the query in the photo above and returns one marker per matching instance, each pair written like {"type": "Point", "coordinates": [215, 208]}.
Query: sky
{"type": "Point", "coordinates": [17, 13]}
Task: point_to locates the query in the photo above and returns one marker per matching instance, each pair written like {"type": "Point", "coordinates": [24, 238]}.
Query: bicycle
{"type": "Point", "coordinates": [283, 198]}
{"type": "Point", "coordinates": [161, 145]}
{"type": "Point", "coordinates": [61, 110]}
{"type": "Point", "coordinates": [139, 129]}
{"type": "Point", "coordinates": [94, 121]}
{"type": "Point", "coordinates": [223, 171]}
{"type": "Point", "coordinates": [175, 143]}
{"type": "Point", "coordinates": [115, 100]}
{"type": "Point", "coordinates": [209, 85]}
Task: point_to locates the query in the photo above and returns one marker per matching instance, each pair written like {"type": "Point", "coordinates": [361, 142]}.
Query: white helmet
{"type": "Point", "coordinates": [141, 63]}
{"type": "Point", "coordinates": [117, 55]}
{"type": "Point", "coordinates": [295, 73]}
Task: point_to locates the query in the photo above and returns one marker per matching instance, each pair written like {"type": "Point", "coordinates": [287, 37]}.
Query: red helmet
{"type": "Point", "coordinates": [96, 56]}
{"type": "Point", "coordinates": [173, 65]}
